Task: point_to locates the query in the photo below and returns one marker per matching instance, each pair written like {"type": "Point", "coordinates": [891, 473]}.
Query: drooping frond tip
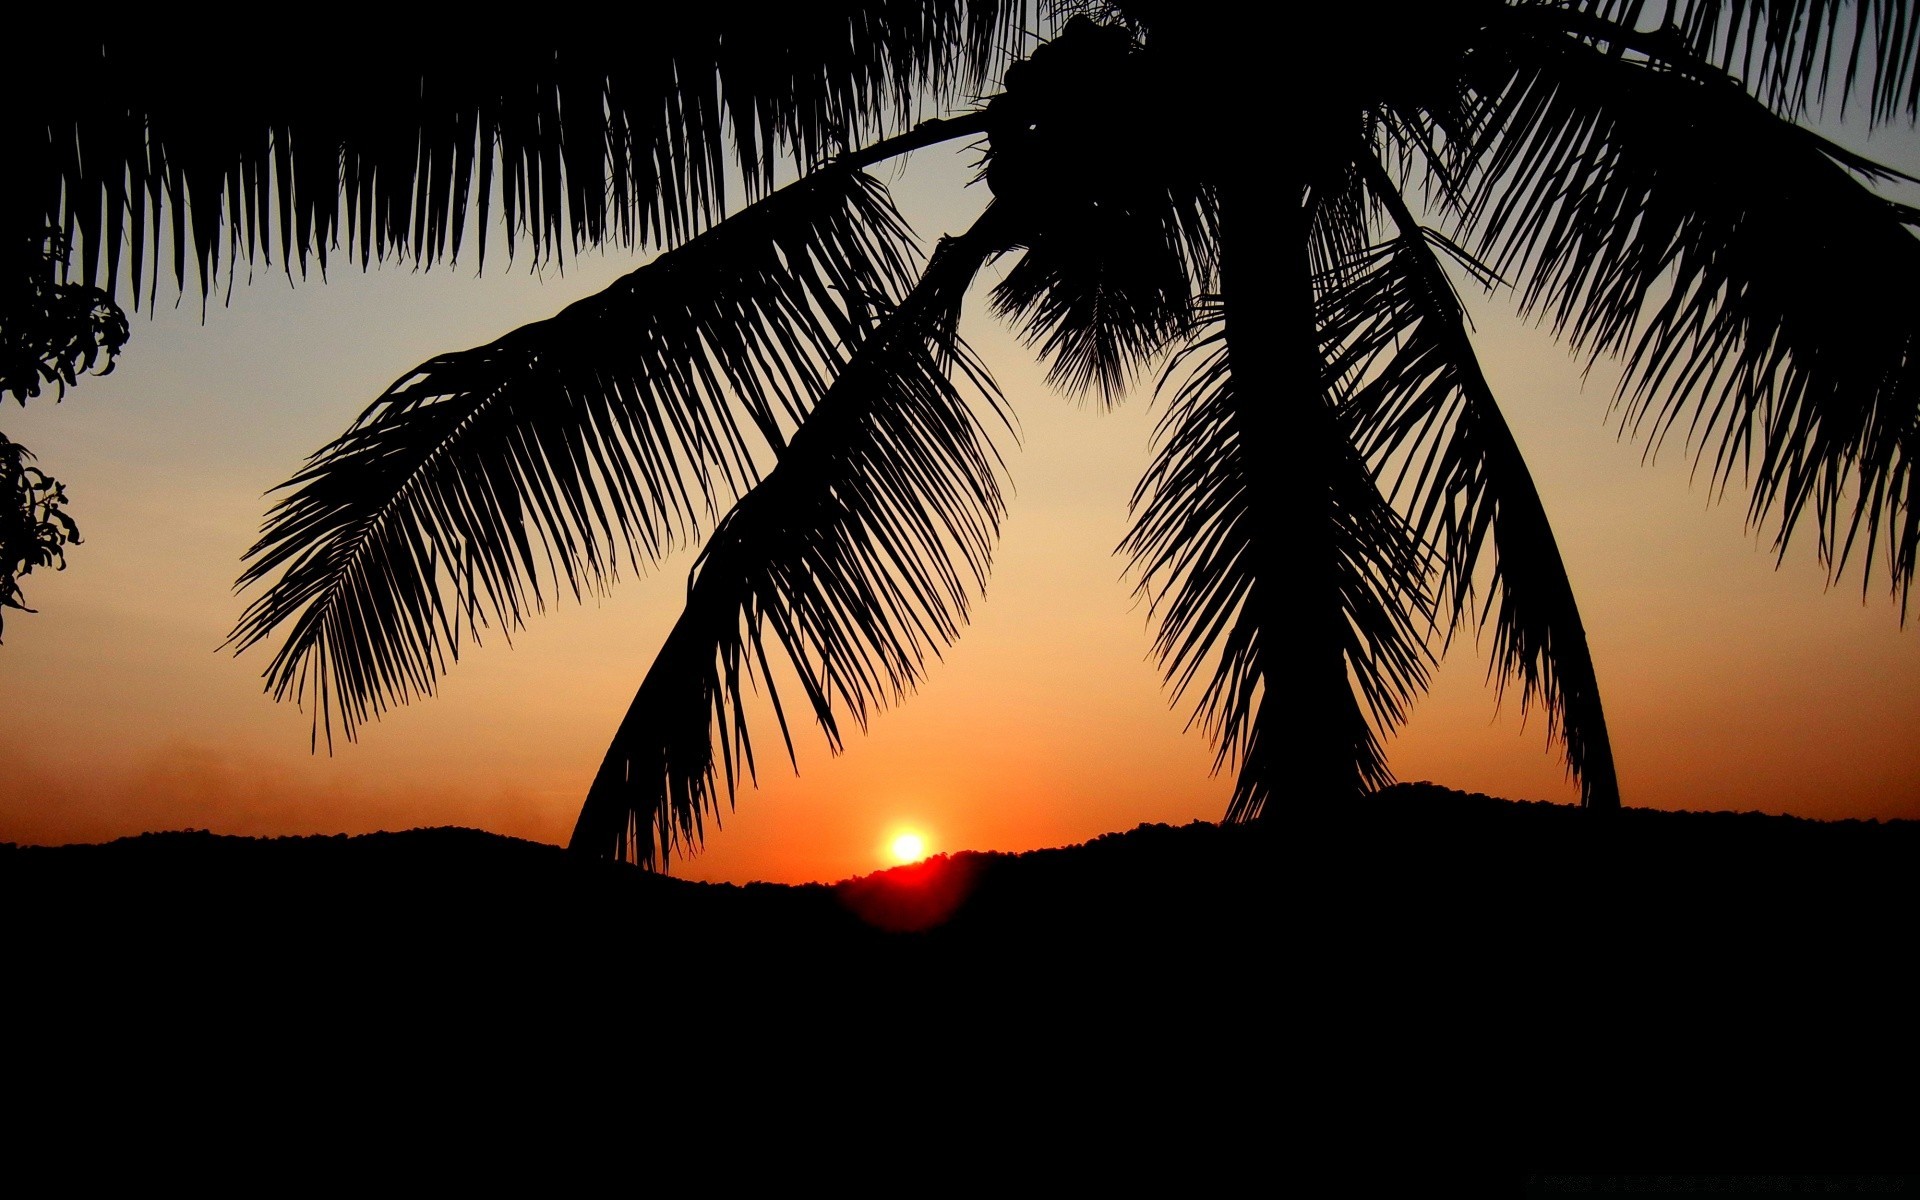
{"type": "Point", "coordinates": [1424, 415]}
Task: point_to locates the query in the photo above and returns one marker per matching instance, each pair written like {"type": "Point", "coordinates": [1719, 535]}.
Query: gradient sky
{"type": "Point", "coordinates": [1730, 684]}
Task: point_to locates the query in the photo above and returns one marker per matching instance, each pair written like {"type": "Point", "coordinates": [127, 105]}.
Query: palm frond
{"type": "Point", "coordinates": [1795, 53]}
{"type": "Point", "coordinates": [856, 556]}
{"type": "Point", "coordinates": [1424, 411]}
{"type": "Point", "coordinates": [1267, 551]}
{"type": "Point", "coordinates": [480, 480]}
{"type": "Point", "coordinates": [600, 136]}
{"type": "Point", "coordinates": [1102, 288]}
{"type": "Point", "coordinates": [1751, 278]}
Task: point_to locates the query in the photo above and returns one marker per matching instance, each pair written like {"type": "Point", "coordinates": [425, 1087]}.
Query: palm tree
{"type": "Point", "coordinates": [1273, 214]}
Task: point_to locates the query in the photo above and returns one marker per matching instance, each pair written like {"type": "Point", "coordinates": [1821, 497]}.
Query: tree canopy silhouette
{"type": "Point", "coordinates": [1275, 210]}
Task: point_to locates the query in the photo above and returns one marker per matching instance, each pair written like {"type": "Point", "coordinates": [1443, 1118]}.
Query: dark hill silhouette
{"type": "Point", "coordinates": [1426, 976]}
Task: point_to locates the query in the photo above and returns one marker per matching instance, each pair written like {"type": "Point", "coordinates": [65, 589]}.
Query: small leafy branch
{"type": "Point", "coordinates": [34, 526]}
{"type": "Point", "coordinates": [51, 331]}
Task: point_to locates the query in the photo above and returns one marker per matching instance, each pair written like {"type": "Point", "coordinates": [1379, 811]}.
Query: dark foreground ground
{"type": "Point", "coordinates": [1427, 985]}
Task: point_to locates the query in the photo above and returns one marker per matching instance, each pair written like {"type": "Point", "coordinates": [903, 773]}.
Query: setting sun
{"type": "Point", "coordinates": [909, 847]}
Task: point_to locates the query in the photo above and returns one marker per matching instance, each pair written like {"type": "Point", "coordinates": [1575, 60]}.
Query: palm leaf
{"type": "Point", "coordinates": [856, 556]}
{"type": "Point", "coordinates": [1102, 288]}
{"type": "Point", "coordinates": [580, 140]}
{"type": "Point", "coordinates": [1753, 281]}
{"type": "Point", "coordinates": [1795, 54]}
{"type": "Point", "coordinates": [480, 480]}
{"type": "Point", "coordinates": [1424, 410]}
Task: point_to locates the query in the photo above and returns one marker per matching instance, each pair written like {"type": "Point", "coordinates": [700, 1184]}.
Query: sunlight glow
{"type": "Point", "coordinates": [909, 847]}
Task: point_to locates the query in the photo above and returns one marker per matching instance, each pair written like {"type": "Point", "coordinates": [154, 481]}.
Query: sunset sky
{"type": "Point", "coordinates": [1730, 684]}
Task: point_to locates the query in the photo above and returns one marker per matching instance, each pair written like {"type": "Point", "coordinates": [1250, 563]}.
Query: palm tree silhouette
{"type": "Point", "coordinates": [1278, 208]}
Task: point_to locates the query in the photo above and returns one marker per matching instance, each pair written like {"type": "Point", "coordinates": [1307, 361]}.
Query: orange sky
{"type": "Point", "coordinates": [1729, 684]}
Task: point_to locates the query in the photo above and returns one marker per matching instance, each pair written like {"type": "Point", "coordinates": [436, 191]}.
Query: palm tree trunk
{"type": "Point", "coordinates": [1319, 749]}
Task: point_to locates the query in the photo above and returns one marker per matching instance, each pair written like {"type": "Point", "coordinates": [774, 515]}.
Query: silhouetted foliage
{"type": "Point", "coordinates": [1281, 205]}
{"type": "Point", "coordinates": [34, 526]}
{"type": "Point", "coordinates": [51, 331]}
